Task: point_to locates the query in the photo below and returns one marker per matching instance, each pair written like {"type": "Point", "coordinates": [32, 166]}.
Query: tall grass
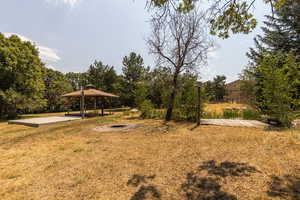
{"type": "Point", "coordinates": [178, 115]}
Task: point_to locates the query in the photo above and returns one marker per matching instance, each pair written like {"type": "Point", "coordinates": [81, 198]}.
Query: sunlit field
{"type": "Point", "coordinates": [220, 107]}
{"type": "Point", "coordinates": [155, 161]}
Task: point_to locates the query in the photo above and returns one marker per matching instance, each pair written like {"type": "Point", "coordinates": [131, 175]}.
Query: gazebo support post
{"type": "Point", "coordinates": [82, 104]}
{"type": "Point", "coordinates": [102, 106]}
{"type": "Point", "coordinates": [95, 105]}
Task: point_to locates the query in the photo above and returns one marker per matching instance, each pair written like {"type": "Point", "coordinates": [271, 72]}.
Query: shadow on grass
{"type": "Point", "coordinates": [226, 168]}
{"type": "Point", "coordinates": [145, 193]}
{"type": "Point", "coordinates": [285, 187]}
{"type": "Point", "coordinates": [200, 187]}
{"type": "Point", "coordinates": [145, 190]}
{"type": "Point", "coordinates": [204, 188]}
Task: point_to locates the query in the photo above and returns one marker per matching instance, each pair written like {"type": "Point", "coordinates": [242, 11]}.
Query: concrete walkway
{"type": "Point", "coordinates": [234, 122]}
{"type": "Point", "coordinates": [36, 122]}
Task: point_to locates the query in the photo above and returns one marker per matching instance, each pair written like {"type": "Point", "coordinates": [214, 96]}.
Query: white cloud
{"type": "Point", "coordinates": [50, 66]}
{"type": "Point", "coordinates": [46, 54]}
{"type": "Point", "coordinates": [69, 2]}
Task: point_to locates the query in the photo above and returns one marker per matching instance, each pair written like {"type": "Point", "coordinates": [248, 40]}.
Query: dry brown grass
{"type": "Point", "coordinates": [157, 161]}
{"type": "Point", "coordinates": [219, 107]}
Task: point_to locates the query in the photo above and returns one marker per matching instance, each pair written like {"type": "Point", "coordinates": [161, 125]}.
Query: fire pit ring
{"type": "Point", "coordinates": [117, 127]}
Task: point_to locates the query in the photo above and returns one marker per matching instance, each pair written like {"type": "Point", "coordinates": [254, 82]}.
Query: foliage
{"type": "Point", "coordinates": [273, 71]}
{"type": "Point", "coordinates": [133, 68]}
{"type": "Point", "coordinates": [134, 72]}
{"type": "Point", "coordinates": [146, 109]}
{"type": "Point", "coordinates": [102, 76]}
{"type": "Point", "coordinates": [248, 86]}
{"type": "Point", "coordinates": [219, 89]}
{"type": "Point", "coordinates": [226, 16]}
{"type": "Point", "coordinates": [21, 77]}
{"type": "Point", "coordinates": [216, 90]}
{"type": "Point", "coordinates": [231, 114]}
{"type": "Point", "coordinates": [159, 89]}
{"type": "Point", "coordinates": [180, 42]}
{"type": "Point", "coordinates": [56, 85]}
{"type": "Point", "coordinates": [277, 92]}
{"type": "Point", "coordinates": [281, 32]}
{"type": "Point", "coordinates": [187, 99]}
{"type": "Point", "coordinates": [141, 93]}
{"type": "Point", "coordinates": [250, 114]}
{"type": "Point", "coordinates": [212, 115]}
{"type": "Point", "coordinates": [77, 80]}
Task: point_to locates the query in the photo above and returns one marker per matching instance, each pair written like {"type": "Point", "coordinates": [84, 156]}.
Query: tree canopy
{"type": "Point", "coordinates": [226, 16]}
{"type": "Point", "coordinates": [273, 71]}
{"type": "Point", "coordinates": [181, 43]}
{"type": "Point", "coordinates": [21, 76]}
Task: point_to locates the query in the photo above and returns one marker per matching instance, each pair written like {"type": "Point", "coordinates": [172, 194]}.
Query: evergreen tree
{"type": "Point", "coordinates": [134, 72]}
{"type": "Point", "coordinates": [215, 90]}
{"type": "Point", "coordinates": [280, 46]}
{"type": "Point", "coordinates": [277, 89]}
{"type": "Point", "coordinates": [281, 32]}
{"type": "Point", "coordinates": [102, 76]}
{"type": "Point", "coordinates": [219, 89]}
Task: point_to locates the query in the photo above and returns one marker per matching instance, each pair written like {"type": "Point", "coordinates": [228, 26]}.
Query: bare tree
{"type": "Point", "coordinates": [179, 41]}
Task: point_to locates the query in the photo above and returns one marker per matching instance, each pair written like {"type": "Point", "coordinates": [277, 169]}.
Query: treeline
{"type": "Point", "coordinates": [27, 86]}
{"type": "Point", "coordinates": [271, 81]}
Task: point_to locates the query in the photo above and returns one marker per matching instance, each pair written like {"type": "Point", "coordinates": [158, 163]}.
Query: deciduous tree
{"type": "Point", "coordinates": [21, 77]}
{"type": "Point", "coordinates": [226, 16]}
{"type": "Point", "coordinates": [181, 43]}
{"type": "Point", "coordinates": [56, 84]}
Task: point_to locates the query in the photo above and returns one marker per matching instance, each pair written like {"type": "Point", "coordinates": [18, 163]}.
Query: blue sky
{"type": "Point", "coordinates": [71, 34]}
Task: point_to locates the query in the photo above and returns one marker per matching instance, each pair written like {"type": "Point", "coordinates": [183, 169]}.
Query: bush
{"type": "Point", "coordinates": [231, 114]}
{"type": "Point", "coordinates": [212, 115]}
{"type": "Point", "coordinates": [147, 109]}
{"type": "Point", "coordinates": [250, 114]}
{"type": "Point", "coordinates": [188, 112]}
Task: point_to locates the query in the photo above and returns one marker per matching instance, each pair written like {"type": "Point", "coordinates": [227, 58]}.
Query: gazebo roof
{"type": "Point", "coordinates": [90, 93]}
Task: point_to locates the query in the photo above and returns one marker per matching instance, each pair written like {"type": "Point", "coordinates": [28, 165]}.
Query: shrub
{"type": "Point", "coordinates": [231, 114]}
{"type": "Point", "coordinates": [147, 109]}
{"type": "Point", "coordinates": [212, 115]}
{"type": "Point", "coordinates": [250, 114]}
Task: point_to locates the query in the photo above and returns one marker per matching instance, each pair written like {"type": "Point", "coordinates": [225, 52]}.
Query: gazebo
{"type": "Point", "coordinates": [89, 93]}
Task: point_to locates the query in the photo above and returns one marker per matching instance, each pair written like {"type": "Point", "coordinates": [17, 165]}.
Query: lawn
{"type": "Point", "coordinates": [172, 161]}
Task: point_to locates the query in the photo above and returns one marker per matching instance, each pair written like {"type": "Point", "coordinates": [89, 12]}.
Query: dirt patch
{"type": "Point", "coordinates": [117, 127]}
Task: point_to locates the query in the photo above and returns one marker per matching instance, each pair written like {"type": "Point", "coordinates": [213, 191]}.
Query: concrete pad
{"type": "Point", "coordinates": [36, 122]}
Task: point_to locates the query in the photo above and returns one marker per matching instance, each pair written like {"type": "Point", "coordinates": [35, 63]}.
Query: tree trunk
{"type": "Point", "coordinates": [172, 98]}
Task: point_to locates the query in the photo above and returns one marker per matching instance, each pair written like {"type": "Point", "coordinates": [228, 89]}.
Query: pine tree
{"type": "Point", "coordinates": [275, 62]}
{"type": "Point", "coordinates": [281, 32]}
{"type": "Point", "coordinates": [276, 99]}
